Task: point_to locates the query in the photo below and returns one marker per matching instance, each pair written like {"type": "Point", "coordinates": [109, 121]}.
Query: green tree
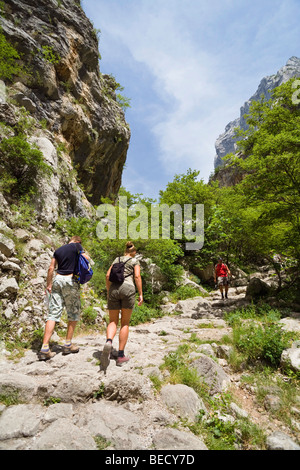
{"type": "Point", "coordinates": [271, 184]}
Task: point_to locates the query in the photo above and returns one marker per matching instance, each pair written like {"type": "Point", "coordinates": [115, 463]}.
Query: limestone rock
{"type": "Point", "coordinates": [213, 374]}
{"type": "Point", "coordinates": [22, 235]}
{"type": "Point", "coordinates": [226, 142]}
{"type": "Point", "coordinates": [67, 90]}
{"type": "Point", "coordinates": [290, 358]}
{"type": "Point", "coordinates": [182, 400]}
{"type": "Point", "coordinates": [7, 246]}
{"type": "Point", "coordinates": [64, 435]}
{"type": "Point", "coordinates": [129, 387]}
{"type": "Point", "coordinates": [192, 306]}
{"type": "Point", "coordinates": [8, 287]}
{"type": "Point", "coordinates": [174, 439]}
{"type": "Point", "coordinates": [20, 421]}
{"type": "Point", "coordinates": [257, 288]}
{"type": "Point", "coordinates": [281, 441]}
{"type": "Point", "coordinates": [18, 385]}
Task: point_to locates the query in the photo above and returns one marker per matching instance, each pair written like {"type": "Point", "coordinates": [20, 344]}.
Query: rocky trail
{"type": "Point", "coordinates": [69, 403]}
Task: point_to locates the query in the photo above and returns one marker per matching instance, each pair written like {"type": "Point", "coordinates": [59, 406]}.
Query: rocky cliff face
{"type": "Point", "coordinates": [77, 121]}
{"type": "Point", "coordinates": [226, 142]}
{"type": "Point", "coordinates": [59, 110]}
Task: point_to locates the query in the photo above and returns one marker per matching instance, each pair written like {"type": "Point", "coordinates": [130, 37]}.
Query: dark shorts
{"type": "Point", "coordinates": [121, 296]}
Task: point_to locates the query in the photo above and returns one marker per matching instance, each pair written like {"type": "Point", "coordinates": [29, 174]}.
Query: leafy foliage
{"type": "Point", "coordinates": [20, 165]}
{"type": "Point", "coordinates": [9, 59]}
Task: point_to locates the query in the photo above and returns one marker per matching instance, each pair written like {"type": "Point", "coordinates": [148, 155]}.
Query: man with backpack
{"type": "Point", "coordinates": [63, 292]}
{"type": "Point", "coordinates": [221, 277]}
{"type": "Point", "coordinates": [121, 279]}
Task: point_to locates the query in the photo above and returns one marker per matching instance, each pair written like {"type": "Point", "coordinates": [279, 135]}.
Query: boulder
{"type": "Point", "coordinates": [290, 358]}
{"type": "Point", "coordinates": [127, 387]}
{"type": "Point", "coordinates": [213, 375]}
{"type": "Point", "coordinates": [22, 235]}
{"type": "Point", "coordinates": [19, 421]}
{"type": "Point", "coordinates": [112, 422]}
{"type": "Point", "coordinates": [174, 439]}
{"type": "Point", "coordinates": [7, 246]}
{"type": "Point", "coordinates": [64, 435]}
{"type": "Point", "coordinates": [257, 288]}
{"type": "Point", "coordinates": [281, 441]}
{"type": "Point", "coordinates": [17, 385]}
{"type": "Point", "coordinates": [4, 227]}
{"type": "Point", "coordinates": [8, 287]}
{"type": "Point", "coordinates": [10, 266]}
{"type": "Point", "coordinates": [192, 307]}
{"type": "Point", "coordinates": [70, 388]}
{"type": "Point", "coordinates": [156, 277]}
{"type": "Point", "coordinates": [182, 400]}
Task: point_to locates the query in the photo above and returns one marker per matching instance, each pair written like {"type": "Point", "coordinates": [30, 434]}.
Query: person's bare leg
{"type": "Point", "coordinates": [124, 331]}
{"type": "Point", "coordinates": [49, 328]}
{"type": "Point", "coordinates": [110, 334]}
{"type": "Point", "coordinates": [68, 347]}
{"type": "Point", "coordinates": [113, 324]}
{"type": "Point", "coordinates": [45, 352]}
{"type": "Point", "coordinates": [70, 330]}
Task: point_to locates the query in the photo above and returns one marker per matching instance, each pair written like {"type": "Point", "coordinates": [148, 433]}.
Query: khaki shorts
{"type": "Point", "coordinates": [65, 293]}
{"type": "Point", "coordinates": [121, 296]}
{"type": "Point", "coordinates": [223, 281]}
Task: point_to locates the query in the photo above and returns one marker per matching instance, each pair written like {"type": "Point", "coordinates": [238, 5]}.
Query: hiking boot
{"type": "Point", "coordinates": [121, 360]}
{"type": "Point", "coordinates": [70, 349]}
{"type": "Point", "coordinates": [44, 356]}
{"type": "Point", "coordinates": [105, 356]}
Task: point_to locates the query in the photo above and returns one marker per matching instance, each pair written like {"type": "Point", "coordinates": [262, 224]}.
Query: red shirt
{"type": "Point", "coordinates": [221, 270]}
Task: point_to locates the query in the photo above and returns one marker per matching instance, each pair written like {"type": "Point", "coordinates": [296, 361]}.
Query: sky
{"type": "Point", "coordinates": [187, 66]}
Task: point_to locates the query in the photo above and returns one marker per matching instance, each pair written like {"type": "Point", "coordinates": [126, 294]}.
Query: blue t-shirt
{"type": "Point", "coordinates": [66, 257]}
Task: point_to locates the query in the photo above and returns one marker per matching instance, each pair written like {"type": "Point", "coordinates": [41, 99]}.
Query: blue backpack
{"type": "Point", "coordinates": [83, 271]}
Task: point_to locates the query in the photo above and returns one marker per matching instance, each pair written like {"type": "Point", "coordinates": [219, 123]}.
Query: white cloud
{"type": "Point", "coordinates": [184, 80]}
{"type": "Point", "coordinates": [205, 58]}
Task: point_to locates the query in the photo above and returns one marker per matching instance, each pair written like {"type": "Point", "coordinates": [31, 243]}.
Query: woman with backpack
{"type": "Point", "coordinates": [121, 279]}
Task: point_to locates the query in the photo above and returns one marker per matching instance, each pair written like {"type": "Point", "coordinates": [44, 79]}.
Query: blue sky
{"type": "Point", "coordinates": [188, 66]}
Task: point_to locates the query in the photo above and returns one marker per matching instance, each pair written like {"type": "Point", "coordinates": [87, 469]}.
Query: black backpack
{"type": "Point", "coordinates": [117, 272]}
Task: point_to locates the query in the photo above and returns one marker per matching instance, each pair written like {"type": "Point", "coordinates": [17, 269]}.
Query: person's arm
{"type": "Point", "coordinates": [215, 274]}
{"type": "Point", "coordinates": [84, 253]}
{"type": "Point", "coordinates": [228, 271]}
{"type": "Point", "coordinates": [108, 283]}
{"type": "Point", "coordinates": [50, 275]}
{"type": "Point", "coordinates": [138, 283]}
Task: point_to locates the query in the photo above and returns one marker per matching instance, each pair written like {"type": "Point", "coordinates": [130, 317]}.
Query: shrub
{"type": "Point", "coordinates": [261, 342]}
{"type": "Point", "coordinates": [89, 316]}
{"type": "Point", "coordinates": [184, 292]}
{"type": "Point", "coordinates": [20, 165]}
{"type": "Point", "coordinates": [143, 314]}
{"type": "Point", "coordinates": [9, 58]}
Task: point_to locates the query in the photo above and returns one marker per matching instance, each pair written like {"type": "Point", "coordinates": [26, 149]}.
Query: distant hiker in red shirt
{"type": "Point", "coordinates": [221, 275]}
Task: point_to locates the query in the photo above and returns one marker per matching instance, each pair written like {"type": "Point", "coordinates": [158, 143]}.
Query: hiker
{"type": "Point", "coordinates": [221, 277]}
{"type": "Point", "coordinates": [64, 292]}
{"type": "Point", "coordinates": [121, 296]}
